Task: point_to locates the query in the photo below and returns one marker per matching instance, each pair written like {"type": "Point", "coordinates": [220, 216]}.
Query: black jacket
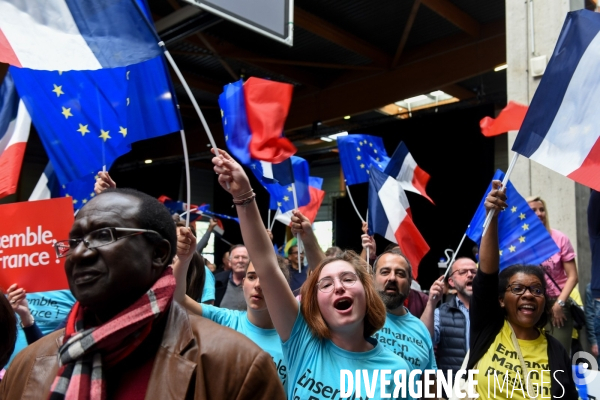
{"type": "Point", "coordinates": [221, 281]}
{"type": "Point", "coordinates": [487, 318]}
{"type": "Point", "coordinates": [452, 348]}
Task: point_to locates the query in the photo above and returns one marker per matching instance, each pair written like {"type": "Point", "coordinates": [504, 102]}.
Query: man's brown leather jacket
{"type": "Point", "coordinates": [197, 359]}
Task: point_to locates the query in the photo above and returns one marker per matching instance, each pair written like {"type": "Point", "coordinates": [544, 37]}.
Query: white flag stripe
{"type": "Point", "coordinates": [267, 168]}
{"type": "Point", "coordinates": [41, 190]}
{"type": "Point", "coordinates": [46, 37]}
{"type": "Point", "coordinates": [577, 118]}
{"type": "Point", "coordinates": [407, 174]}
{"type": "Point", "coordinates": [394, 203]}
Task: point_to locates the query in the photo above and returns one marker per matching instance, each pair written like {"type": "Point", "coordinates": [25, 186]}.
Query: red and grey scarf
{"type": "Point", "coordinates": [85, 352]}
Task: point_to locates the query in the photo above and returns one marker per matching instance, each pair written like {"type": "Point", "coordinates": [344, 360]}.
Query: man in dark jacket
{"type": "Point", "coordinates": [228, 284]}
{"type": "Point", "coordinates": [449, 324]}
{"type": "Point", "coordinates": [125, 337]}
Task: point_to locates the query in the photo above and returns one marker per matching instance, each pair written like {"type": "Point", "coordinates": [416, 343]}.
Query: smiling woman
{"type": "Point", "coordinates": [340, 308]}
{"type": "Point", "coordinates": [507, 312]}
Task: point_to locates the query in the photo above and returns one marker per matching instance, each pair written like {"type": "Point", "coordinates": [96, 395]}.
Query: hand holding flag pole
{"type": "Point", "coordinates": [357, 213]}
{"type": "Point", "coordinates": [490, 215]}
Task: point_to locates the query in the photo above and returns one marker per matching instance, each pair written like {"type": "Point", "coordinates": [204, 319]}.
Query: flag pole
{"type": "Point", "coordinates": [268, 219]}
{"type": "Point", "coordinates": [368, 253]}
{"type": "Point", "coordinates": [297, 236]}
{"type": "Point", "coordinates": [352, 201]}
{"type": "Point", "coordinates": [455, 253]}
{"type": "Point", "coordinates": [490, 215]}
{"type": "Point", "coordinates": [274, 219]}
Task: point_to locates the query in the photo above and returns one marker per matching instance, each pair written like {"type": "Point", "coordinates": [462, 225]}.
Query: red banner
{"type": "Point", "coordinates": [27, 234]}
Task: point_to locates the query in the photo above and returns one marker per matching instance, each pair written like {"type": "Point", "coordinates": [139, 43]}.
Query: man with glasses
{"type": "Point", "coordinates": [449, 324]}
{"type": "Point", "coordinates": [125, 337]}
{"type": "Point", "coordinates": [228, 284]}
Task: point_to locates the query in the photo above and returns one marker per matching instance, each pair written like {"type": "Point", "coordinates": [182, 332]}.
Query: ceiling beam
{"type": "Point", "coordinates": [457, 91]}
{"type": "Point", "coordinates": [409, 79]}
{"type": "Point", "coordinates": [455, 15]}
{"type": "Point", "coordinates": [407, 28]}
{"type": "Point", "coordinates": [336, 35]}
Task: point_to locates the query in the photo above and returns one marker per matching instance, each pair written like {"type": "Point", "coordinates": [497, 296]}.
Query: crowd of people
{"type": "Point", "coordinates": [147, 316]}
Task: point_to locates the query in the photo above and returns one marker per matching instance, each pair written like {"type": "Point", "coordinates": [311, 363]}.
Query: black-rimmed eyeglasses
{"type": "Point", "coordinates": [518, 289]}
{"type": "Point", "coordinates": [98, 238]}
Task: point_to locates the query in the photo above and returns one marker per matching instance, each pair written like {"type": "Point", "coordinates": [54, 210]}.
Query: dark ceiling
{"type": "Point", "coordinates": [348, 58]}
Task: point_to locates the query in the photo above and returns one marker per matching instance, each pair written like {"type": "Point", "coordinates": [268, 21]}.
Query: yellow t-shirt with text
{"type": "Point", "coordinates": [500, 367]}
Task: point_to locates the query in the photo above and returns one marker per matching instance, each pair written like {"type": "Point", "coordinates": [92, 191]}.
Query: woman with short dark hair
{"type": "Point", "coordinates": [508, 311]}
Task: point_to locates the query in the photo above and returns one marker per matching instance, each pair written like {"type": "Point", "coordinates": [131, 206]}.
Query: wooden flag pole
{"type": "Point", "coordinates": [490, 215]}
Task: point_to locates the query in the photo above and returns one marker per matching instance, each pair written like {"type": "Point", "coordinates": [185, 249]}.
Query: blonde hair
{"type": "Point", "coordinates": [531, 199]}
{"type": "Point", "coordinates": [375, 313]}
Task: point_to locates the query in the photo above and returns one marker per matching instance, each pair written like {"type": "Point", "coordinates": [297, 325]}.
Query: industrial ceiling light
{"type": "Point", "coordinates": [500, 67]}
{"type": "Point", "coordinates": [148, 161]}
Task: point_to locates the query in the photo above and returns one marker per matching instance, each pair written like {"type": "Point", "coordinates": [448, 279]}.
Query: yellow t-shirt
{"type": "Point", "coordinates": [502, 359]}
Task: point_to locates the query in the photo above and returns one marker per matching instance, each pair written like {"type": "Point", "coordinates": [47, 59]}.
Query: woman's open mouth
{"type": "Point", "coordinates": [343, 304]}
{"type": "Point", "coordinates": [527, 309]}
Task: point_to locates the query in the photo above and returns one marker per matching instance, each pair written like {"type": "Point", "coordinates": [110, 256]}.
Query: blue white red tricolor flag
{"type": "Point", "coordinates": [253, 114]}
{"type": "Point", "coordinates": [404, 168]}
{"type": "Point", "coordinates": [561, 129]}
{"type": "Point", "coordinates": [64, 35]}
{"type": "Point", "coordinates": [15, 123]}
{"type": "Point", "coordinates": [390, 216]}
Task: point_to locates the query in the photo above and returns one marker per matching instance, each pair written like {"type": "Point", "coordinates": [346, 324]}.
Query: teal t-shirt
{"type": "Point", "coordinates": [266, 339]}
{"type": "Point", "coordinates": [49, 309]}
{"type": "Point", "coordinates": [409, 338]}
{"type": "Point", "coordinates": [315, 366]}
{"type": "Point", "coordinates": [208, 291]}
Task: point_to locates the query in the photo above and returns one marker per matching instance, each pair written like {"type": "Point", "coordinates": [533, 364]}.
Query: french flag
{"type": "Point", "coordinates": [404, 168]}
{"type": "Point", "coordinates": [68, 35]}
{"type": "Point", "coordinates": [15, 123]}
{"type": "Point", "coordinates": [561, 128]}
{"type": "Point", "coordinates": [390, 217]}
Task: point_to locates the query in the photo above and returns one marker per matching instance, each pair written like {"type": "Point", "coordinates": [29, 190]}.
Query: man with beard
{"type": "Point", "coordinates": [449, 325]}
{"type": "Point", "coordinates": [403, 333]}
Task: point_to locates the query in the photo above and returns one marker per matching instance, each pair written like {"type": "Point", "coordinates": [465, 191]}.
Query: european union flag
{"type": "Point", "coordinates": [235, 121]}
{"type": "Point", "coordinates": [282, 195]}
{"type": "Point", "coordinates": [87, 119]}
{"type": "Point", "coordinates": [357, 154]}
{"type": "Point", "coordinates": [523, 239]}
{"type": "Point", "coordinates": [81, 190]}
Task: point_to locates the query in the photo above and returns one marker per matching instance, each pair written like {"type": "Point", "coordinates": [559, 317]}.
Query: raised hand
{"type": "Point", "coordinates": [496, 199]}
{"type": "Point", "coordinates": [18, 300]}
{"type": "Point", "coordinates": [103, 182]}
{"type": "Point", "coordinates": [300, 224]}
{"type": "Point", "coordinates": [232, 177]}
{"type": "Point", "coordinates": [186, 244]}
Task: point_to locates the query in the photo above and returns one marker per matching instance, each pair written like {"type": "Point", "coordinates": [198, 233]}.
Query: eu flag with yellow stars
{"type": "Point", "coordinates": [87, 119]}
{"type": "Point", "coordinates": [522, 237]}
{"type": "Point", "coordinates": [357, 153]}
{"type": "Point", "coordinates": [80, 191]}
{"type": "Point", "coordinates": [281, 195]}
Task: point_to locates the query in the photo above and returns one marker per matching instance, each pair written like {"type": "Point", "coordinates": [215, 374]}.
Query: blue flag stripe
{"type": "Point", "coordinates": [9, 105]}
{"type": "Point", "coordinates": [395, 164]}
{"type": "Point", "coordinates": [569, 49]}
{"type": "Point", "coordinates": [115, 31]}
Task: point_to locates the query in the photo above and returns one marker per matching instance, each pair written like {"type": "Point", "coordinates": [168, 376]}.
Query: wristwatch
{"type": "Point", "coordinates": [561, 303]}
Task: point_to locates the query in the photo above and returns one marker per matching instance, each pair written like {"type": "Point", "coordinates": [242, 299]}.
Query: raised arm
{"type": "Point", "coordinates": [489, 252]}
{"type": "Point", "coordinates": [301, 226]}
{"type": "Point", "coordinates": [435, 295]}
{"type": "Point", "coordinates": [206, 237]}
{"type": "Point", "coordinates": [186, 245]}
{"type": "Point", "coordinates": [280, 300]}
